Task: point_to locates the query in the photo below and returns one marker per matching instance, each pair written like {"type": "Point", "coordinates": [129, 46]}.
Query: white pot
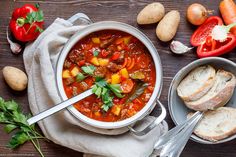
{"type": "Point", "coordinates": [111, 25]}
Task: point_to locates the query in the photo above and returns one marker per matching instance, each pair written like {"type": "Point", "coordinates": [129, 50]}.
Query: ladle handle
{"type": "Point", "coordinates": [59, 107]}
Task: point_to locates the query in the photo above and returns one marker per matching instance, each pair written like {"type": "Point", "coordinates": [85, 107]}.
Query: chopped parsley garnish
{"type": "Point", "coordinates": [104, 91]}
{"type": "Point", "coordinates": [95, 53]}
{"type": "Point", "coordinates": [89, 69]}
{"type": "Point", "coordinates": [80, 77]}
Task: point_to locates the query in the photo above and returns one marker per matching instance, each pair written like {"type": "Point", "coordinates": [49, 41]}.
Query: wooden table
{"type": "Point", "coordinates": [123, 11]}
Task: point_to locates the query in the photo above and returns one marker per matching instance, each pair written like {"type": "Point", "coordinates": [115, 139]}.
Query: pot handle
{"type": "Point", "coordinates": [80, 19]}
{"type": "Point", "coordinates": [156, 122]}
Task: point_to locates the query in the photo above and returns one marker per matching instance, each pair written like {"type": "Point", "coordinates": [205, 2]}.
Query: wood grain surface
{"type": "Point", "coordinates": [98, 10]}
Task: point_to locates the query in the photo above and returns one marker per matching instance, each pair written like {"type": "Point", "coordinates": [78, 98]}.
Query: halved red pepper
{"type": "Point", "coordinates": [208, 47]}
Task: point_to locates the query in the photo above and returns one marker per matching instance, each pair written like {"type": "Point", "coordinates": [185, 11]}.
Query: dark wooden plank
{"type": "Point", "coordinates": [123, 11]}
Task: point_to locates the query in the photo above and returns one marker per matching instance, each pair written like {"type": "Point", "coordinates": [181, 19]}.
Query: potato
{"type": "Point", "coordinates": [167, 27]}
{"type": "Point", "coordinates": [15, 78]}
{"type": "Point", "coordinates": [152, 13]}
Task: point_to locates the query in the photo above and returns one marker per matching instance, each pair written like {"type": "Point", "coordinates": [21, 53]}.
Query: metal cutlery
{"type": "Point", "coordinates": [173, 142]}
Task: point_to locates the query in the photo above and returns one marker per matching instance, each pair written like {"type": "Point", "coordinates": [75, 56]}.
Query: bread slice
{"type": "Point", "coordinates": [197, 83]}
{"type": "Point", "coordinates": [218, 95]}
{"type": "Point", "coordinates": [217, 125]}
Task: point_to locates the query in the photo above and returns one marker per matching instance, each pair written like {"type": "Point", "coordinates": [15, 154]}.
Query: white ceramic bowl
{"type": "Point", "coordinates": [111, 25]}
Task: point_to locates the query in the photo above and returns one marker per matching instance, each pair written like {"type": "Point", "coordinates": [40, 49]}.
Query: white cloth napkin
{"type": "Point", "coordinates": [40, 59]}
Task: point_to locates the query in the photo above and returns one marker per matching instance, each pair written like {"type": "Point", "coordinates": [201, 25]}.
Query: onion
{"type": "Point", "coordinates": [197, 13]}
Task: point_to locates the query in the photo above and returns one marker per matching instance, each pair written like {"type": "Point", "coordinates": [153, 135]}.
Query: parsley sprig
{"type": "Point", "coordinates": [31, 18]}
{"type": "Point", "coordinates": [104, 90]}
{"type": "Point", "coordinates": [14, 120]}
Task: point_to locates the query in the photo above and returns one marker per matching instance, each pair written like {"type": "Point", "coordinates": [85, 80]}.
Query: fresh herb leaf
{"type": "Point", "coordinates": [14, 119]}
{"type": "Point", "coordinates": [9, 128]}
{"type": "Point", "coordinates": [106, 106]}
{"type": "Point", "coordinates": [95, 53]}
{"type": "Point", "coordinates": [94, 88]}
{"type": "Point", "coordinates": [19, 138]}
{"type": "Point", "coordinates": [80, 77]}
{"type": "Point", "coordinates": [37, 5]}
{"type": "Point", "coordinates": [39, 16]}
{"type": "Point", "coordinates": [107, 101]}
{"type": "Point", "coordinates": [97, 78]}
{"type": "Point", "coordinates": [116, 89]}
{"type": "Point", "coordinates": [139, 90]}
{"type": "Point", "coordinates": [88, 69]}
{"type": "Point", "coordinates": [104, 91]}
{"type": "Point", "coordinates": [19, 117]}
{"type": "Point", "coordinates": [38, 29]}
{"type": "Point", "coordinates": [2, 104]}
{"type": "Point", "coordinates": [3, 118]}
{"type": "Point", "coordinates": [29, 18]}
{"type": "Point", "coordinates": [98, 92]}
{"type": "Point", "coordinates": [12, 105]}
{"type": "Point", "coordinates": [35, 16]}
{"type": "Point", "coordinates": [101, 83]}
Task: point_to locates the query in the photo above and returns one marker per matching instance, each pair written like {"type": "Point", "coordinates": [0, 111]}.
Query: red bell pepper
{"type": "Point", "coordinates": [207, 46]}
{"type": "Point", "coordinates": [26, 23]}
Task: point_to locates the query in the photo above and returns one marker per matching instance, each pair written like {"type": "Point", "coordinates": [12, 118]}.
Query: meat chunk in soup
{"type": "Point", "coordinates": [67, 64]}
{"type": "Point", "coordinates": [69, 80]}
{"type": "Point", "coordinates": [106, 43]}
{"type": "Point", "coordinates": [100, 72]}
{"type": "Point", "coordinates": [76, 56]}
{"type": "Point", "coordinates": [83, 86]}
{"type": "Point", "coordinates": [113, 67]}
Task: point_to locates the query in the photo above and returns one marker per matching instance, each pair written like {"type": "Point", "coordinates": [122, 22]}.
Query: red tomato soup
{"type": "Point", "coordinates": [120, 70]}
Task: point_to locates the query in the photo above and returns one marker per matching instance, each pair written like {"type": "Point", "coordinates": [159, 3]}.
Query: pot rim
{"type": "Point", "coordinates": [111, 25]}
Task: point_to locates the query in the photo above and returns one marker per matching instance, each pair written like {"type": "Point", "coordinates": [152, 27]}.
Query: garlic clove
{"type": "Point", "coordinates": [179, 48]}
{"type": "Point", "coordinates": [15, 47]}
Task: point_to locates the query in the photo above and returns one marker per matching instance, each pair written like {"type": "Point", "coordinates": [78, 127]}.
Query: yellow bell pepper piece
{"type": "Point", "coordinates": [97, 113]}
{"type": "Point", "coordinates": [94, 61]}
{"type": "Point", "coordinates": [119, 48]}
{"type": "Point", "coordinates": [124, 73]}
{"type": "Point", "coordinates": [127, 39]}
{"type": "Point", "coordinates": [96, 40]}
{"type": "Point", "coordinates": [115, 79]}
{"type": "Point", "coordinates": [66, 74]}
{"type": "Point", "coordinates": [103, 62]}
{"type": "Point", "coordinates": [116, 110]}
{"type": "Point", "coordinates": [74, 71]}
